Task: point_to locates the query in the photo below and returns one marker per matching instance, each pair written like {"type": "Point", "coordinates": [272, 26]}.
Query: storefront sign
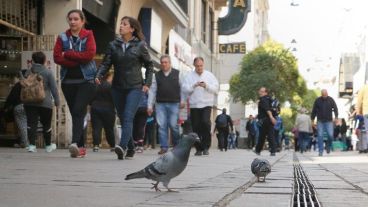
{"type": "Point", "coordinates": [233, 48]}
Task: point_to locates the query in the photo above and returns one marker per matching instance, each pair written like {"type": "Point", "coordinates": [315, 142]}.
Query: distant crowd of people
{"type": "Point", "coordinates": [328, 133]}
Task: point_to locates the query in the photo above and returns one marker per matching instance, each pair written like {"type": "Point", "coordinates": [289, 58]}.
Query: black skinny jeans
{"type": "Point", "coordinates": [35, 113]}
{"type": "Point", "coordinates": [78, 96]}
{"type": "Point", "coordinates": [201, 124]}
{"type": "Point", "coordinates": [103, 118]}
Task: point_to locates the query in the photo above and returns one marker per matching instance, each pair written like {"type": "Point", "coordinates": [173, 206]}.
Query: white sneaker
{"type": "Point", "coordinates": [50, 148]}
{"type": "Point", "coordinates": [32, 148]}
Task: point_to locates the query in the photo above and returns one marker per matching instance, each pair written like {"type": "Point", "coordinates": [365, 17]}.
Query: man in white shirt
{"type": "Point", "coordinates": [166, 92]}
{"type": "Point", "coordinates": [201, 87]}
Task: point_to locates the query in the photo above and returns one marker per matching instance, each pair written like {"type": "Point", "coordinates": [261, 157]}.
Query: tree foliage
{"type": "Point", "coordinates": [272, 66]}
{"type": "Point", "coordinates": [306, 101]}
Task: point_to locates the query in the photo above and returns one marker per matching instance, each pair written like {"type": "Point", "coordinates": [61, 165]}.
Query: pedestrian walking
{"type": "Point", "coordinates": [362, 109]}
{"type": "Point", "coordinates": [128, 53]}
{"type": "Point", "coordinates": [361, 133]}
{"type": "Point", "coordinates": [103, 114]}
{"type": "Point", "coordinates": [14, 106]}
{"type": "Point", "coordinates": [167, 92]}
{"type": "Point", "coordinates": [232, 140]}
{"type": "Point", "coordinates": [41, 110]}
{"type": "Point", "coordinates": [150, 132]}
{"type": "Point", "coordinates": [323, 108]}
{"type": "Point", "coordinates": [74, 52]}
{"type": "Point", "coordinates": [250, 127]}
{"type": "Point", "coordinates": [139, 123]}
{"type": "Point", "coordinates": [343, 131]}
{"type": "Point", "coordinates": [223, 124]}
{"type": "Point", "coordinates": [303, 124]}
{"type": "Point", "coordinates": [266, 121]}
{"type": "Point", "coordinates": [202, 87]}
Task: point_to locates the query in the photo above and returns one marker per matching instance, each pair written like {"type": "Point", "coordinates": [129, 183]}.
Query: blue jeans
{"type": "Point", "coordinates": [126, 103]}
{"type": "Point", "coordinates": [328, 128]}
{"type": "Point", "coordinates": [303, 139]}
{"type": "Point", "coordinates": [167, 115]}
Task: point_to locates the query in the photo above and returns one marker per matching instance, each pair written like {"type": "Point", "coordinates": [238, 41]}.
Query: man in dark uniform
{"type": "Point", "coordinates": [266, 122]}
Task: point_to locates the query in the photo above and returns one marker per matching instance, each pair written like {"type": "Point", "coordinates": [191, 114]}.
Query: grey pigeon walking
{"type": "Point", "coordinates": [261, 168]}
{"type": "Point", "coordinates": [169, 165]}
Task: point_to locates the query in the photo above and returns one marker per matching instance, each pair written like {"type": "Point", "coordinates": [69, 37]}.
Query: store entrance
{"type": "Point", "coordinates": [10, 65]}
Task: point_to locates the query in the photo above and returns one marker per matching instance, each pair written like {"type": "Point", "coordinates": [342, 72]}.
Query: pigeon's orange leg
{"type": "Point", "coordinates": [155, 186]}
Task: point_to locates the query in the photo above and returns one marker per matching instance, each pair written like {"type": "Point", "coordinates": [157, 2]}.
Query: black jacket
{"type": "Point", "coordinates": [128, 64]}
{"type": "Point", "coordinates": [323, 108]}
{"type": "Point", "coordinates": [13, 98]}
{"type": "Point", "coordinates": [264, 105]}
{"type": "Point", "coordinates": [229, 122]}
{"type": "Point", "coordinates": [250, 127]}
{"type": "Point", "coordinates": [103, 98]}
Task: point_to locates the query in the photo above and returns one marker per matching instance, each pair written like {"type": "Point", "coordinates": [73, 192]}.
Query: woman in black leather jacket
{"type": "Point", "coordinates": [128, 54]}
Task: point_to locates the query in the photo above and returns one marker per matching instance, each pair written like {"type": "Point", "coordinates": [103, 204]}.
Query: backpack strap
{"type": "Point", "coordinates": [27, 73]}
{"type": "Point", "coordinates": [21, 76]}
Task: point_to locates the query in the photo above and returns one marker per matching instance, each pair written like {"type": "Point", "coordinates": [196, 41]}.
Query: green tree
{"type": "Point", "coordinates": [306, 101]}
{"type": "Point", "coordinates": [272, 66]}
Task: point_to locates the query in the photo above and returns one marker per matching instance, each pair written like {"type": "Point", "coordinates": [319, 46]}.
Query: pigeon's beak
{"type": "Point", "coordinates": [197, 140]}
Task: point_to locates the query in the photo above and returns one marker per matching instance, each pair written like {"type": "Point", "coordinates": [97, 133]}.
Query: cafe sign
{"type": "Point", "coordinates": [238, 48]}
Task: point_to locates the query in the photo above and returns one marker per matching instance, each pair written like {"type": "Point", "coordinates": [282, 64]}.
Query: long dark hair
{"type": "Point", "coordinates": [136, 26]}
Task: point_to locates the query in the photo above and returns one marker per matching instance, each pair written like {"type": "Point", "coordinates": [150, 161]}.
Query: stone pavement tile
{"type": "Point", "coordinates": [284, 183]}
{"type": "Point", "coordinates": [270, 190]}
{"type": "Point", "coordinates": [331, 184]}
{"type": "Point", "coordinates": [58, 178]}
{"type": "Point", "coordinates": [261, 200]}
{"type": "Point", "coordinates": [339, 178]}
{"type": "Point", "coordinates": [342, 198]}
{"type": "Point", "coordinates": [276, 191]}
{"type": "Point", "coordinates": [55, 179]}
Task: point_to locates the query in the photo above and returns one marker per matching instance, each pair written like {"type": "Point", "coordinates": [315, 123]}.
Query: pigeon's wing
{"type": "Point", "coordinates": [160, 167]}
{"type": "Point", "coordinates": [255, 166]}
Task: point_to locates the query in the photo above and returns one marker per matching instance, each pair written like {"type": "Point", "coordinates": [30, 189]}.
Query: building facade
{"type": "Point", "coordinates": [254, 33]}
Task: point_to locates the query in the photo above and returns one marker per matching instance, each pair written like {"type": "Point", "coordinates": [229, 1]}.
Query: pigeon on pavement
{"type": "Point", "coordinates": [260, 168]}
{"type": "Point", "coordinates": [169, 165]}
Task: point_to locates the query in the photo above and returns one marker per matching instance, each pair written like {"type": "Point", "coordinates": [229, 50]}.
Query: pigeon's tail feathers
{"type": "Point", "coordinates": [138, 174]}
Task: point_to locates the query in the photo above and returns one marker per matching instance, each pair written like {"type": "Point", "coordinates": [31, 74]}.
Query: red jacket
{"type": "Point", "coordinates": [71, 58]}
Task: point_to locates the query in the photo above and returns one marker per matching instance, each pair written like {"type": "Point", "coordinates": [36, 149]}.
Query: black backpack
{"type": "Point", "coordinates": [221, 120]}
{"type": "Point", "coordinates": [275, 106]}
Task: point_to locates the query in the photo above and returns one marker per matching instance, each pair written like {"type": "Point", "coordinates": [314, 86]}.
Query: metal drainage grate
{"type": "Point", "coordinates": [304, 194]}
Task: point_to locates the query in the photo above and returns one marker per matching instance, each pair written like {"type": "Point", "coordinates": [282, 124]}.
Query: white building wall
{"type": "Point", "coordinates": [55, 15]}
